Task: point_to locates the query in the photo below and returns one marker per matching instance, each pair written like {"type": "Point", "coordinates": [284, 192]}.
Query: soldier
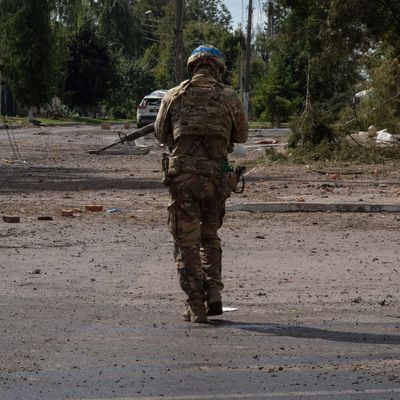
{"type": "Point", "coordinates": [199, 120]}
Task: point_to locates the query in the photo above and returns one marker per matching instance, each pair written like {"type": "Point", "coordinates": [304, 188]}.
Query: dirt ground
{"type": "Point", "coordinates": [90, 304]}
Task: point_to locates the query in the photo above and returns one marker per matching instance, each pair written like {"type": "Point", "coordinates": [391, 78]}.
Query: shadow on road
{"type": "Point", "coordinates": [38, 179]}
{"type": "Point", "coordinates": [310, 333]}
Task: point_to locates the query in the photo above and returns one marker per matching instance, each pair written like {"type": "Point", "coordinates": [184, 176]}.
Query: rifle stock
{"type": "Point", "coordinates": [136, 134]}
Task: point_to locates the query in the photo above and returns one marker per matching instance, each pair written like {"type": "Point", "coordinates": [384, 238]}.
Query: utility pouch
{"type": "Point", "coordinates": [171, 167]}
{"type": "Point", "coordinates": [166, 180]}
{"type": "Point", "coordinates": [174, 168]}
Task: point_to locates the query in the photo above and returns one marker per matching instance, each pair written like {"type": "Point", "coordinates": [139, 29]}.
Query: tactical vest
{"type": "Point", "coordinates": [201, 111]}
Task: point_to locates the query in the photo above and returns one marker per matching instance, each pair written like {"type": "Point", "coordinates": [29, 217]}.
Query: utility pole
{"type": "Point", "coordinates": [248, 57]}
{"type": "Point", "coordinates": [1, 96]}
{"type": "Point", "coordinates": [179, 42]}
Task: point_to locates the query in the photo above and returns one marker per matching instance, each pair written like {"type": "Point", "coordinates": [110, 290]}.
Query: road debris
{"type": "Point", "coordinates": [267, 141]}
{"type": "Point", "coordinates": [67, 213]}
{"type": "Point", "coordinates": [36, 271]}
{"type": "Point", "coordinates": [94, 207]}
{"type": "Point", "coordinates": [45, 218]}
{"type": "Point", "coordinates": [114, 210]}
{"type": "Point", "coordinates": [229, 309]}
{"type": "Point", "coordinates": [13, 219]}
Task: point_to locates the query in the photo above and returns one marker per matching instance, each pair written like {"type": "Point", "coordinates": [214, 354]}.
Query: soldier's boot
{"type": "Point", "coordinates": [195, 312]}
{"type": "Point", "coordinates": [214, 302]}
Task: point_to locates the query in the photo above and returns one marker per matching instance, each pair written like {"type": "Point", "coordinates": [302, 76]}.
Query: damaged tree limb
{"type": "Point", "coordinates": [136, 134]}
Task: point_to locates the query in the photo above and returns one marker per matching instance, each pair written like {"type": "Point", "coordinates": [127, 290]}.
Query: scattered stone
{"type": "Point", "coordinates": [334, 176]}
{"type": "Point", "coordinates": [12, 219]}
{"type": "Point", "coordinates": [372, 131]}
{"type": "Point", "coordinates": [67, 213]}
{"type": "Point", "coordinates": [45, 218]}
{"type": "Point", "coordinates": [94, 207]}
{"type": "Point", "coordinates": [36, 271]}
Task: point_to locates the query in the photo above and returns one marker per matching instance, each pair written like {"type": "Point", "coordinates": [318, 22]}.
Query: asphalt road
{"type": "Point", "coordinates": [90, 306]}
{"type": "Point", "coordinates": [102, 318]}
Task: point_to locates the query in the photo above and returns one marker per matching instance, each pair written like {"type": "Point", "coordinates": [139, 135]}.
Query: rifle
{"type": "Point", "coordinates": [123, 137]}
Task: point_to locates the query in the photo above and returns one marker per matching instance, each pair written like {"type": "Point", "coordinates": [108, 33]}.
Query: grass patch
{"type": "Point", "coordinates": [265, 125]}
{"type": "Point", "coordinates": [14, 120]}
{"type": "Point", "coordinates": [63, 121]}
{"type": "Point", "coordinates": [343, 151]}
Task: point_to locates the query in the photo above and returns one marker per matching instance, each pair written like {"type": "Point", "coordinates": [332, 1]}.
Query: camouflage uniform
{"type": "Point", "coordinates": [199, 120]}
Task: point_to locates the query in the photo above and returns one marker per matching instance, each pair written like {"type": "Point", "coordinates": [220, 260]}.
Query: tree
{"type": "Point", "coordinates": [277, 95]}
{"type": "Point", "coordinates": [315, 51]}
{"type": "Point", "coordinates": [205, 21]}
{"type": "Point", "coordinates": [306, 63]}
{"type": "Point", "coordinates": [133, 81]}
{"type": "Point", "coordinates": [208, 11]}
{"type": "Point", "coordinates": [26, 44]}
{"type": "Point", "coordinates": [119, 26]}
{"type": "Point", "coordinates": [90, 72]}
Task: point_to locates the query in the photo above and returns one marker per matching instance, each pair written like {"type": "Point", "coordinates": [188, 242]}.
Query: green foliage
{"type": "Point", "coordinates": [232, 47]}
{"type": "Point", "coordinates": [133, 81]}
{"type": "Point", "coordinates": [316, 53]}
{"type": "Point", "coordinates": [205, 21]}
{"type": "Point", "coordinates": [208, 11]}
{"type": "Point", "coordinates": [90, 71]}
{"type": "Point", "coordinates": [104, 53]}
{"type": "Point", "coordinates": [276, 97]}
{"type": "Point", "coordinates": [380, 106]}
{"type": "Point", "coordinates": [26, 43]}
{"type": "Point", "coordinates": [308, 61]}
{"type": "Point", "coordinates": [272, 155]}
{"type": "Point", "coordinates": [120, 26]}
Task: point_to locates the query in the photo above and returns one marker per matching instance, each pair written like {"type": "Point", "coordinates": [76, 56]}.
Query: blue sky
{"type": "Point", "coordinates": [236, 7]}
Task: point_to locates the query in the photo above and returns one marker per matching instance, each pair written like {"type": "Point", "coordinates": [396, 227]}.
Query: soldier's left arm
{"type": "Point", "coordinates": [162, 127]}
{"type": "Point", "coordinates": [240, 129]}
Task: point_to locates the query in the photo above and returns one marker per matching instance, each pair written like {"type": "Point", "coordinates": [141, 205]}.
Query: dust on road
{"type": "Point", "coordinates": [90, 305]}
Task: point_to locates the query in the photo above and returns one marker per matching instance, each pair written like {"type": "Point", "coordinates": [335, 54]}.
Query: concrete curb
{"type": "Point", "coordinates": [2, 126]}
{"type": "Point", "coordinates": [287, 207]}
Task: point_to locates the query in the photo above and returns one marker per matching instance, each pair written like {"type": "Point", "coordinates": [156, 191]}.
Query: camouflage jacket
{"type": "Point", "coordinates": [201, 118]}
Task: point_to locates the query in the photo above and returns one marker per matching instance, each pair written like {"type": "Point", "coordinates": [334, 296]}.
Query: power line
{"type": "Point", "coordinates": [179, 41]}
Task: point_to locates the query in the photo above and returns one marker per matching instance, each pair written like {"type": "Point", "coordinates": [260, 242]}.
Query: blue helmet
{"type": "Point", "coordinates": [206, 54]}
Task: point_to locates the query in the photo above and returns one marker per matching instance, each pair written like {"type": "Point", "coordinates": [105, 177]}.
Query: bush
{"type": "Point", "coordinates": [272, 155]}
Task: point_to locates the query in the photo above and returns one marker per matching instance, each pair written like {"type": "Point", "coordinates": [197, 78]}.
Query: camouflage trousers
{"type": "Point", "coordinates": [196, 210]}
